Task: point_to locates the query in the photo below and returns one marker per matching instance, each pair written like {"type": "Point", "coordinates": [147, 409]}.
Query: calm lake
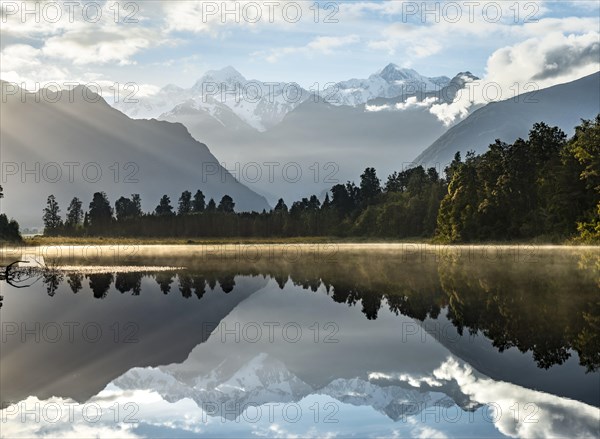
{"type": "Point", "coordinates": [324, 340]}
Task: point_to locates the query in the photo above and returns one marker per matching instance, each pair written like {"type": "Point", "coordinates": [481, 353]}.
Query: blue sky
{"type": "Point", "coordinates": [177, 41]}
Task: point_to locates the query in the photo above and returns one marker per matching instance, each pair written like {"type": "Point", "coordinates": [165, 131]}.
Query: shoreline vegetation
{"type": "Point", "coordinates": [541, 190]}
{"type": "Point", "coordinates": [40, 241]}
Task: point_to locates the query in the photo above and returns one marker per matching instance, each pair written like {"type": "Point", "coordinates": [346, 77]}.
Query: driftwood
{"type": "Point", "coordinates": [11, 276]}
{"type": "Point", "coordinates": [19, 278]}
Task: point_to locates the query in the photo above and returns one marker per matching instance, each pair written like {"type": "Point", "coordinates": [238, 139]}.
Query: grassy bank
{"type": "Point", "coordinates": [59, 240]}
{"type": "Point", "coordinates": [89, 240]}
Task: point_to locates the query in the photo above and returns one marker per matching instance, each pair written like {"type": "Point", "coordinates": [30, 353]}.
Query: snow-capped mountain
{"type": "Point", "coordinates": [263, 105]}
{"type": "Point", "coordinates": [390, 82]}
{"type": "Point", "coordinates": [258, 104]}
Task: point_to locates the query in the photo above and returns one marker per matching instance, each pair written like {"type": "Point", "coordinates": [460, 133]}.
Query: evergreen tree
{"type": "Point", "coordinates": [100, 212]}
{"type": "Point", "coordinates": [341, 199]}
{"type": "Point", "coordinates": [198, 203]}
{"type": "Point", "coordinates": [313, 203]}
{"type": "Point", "coordinates": [164, 206]}
{"type": "Point", "coordinates": [185, 203]}
{"type": "Point", "coordinates": [126, 208]}
{"type": "Point", "coordinates": [136, 207]}
{"type": "Point", "coordinates": [370, 186]}
{"type": "Point", "coordinates": [51, 217]}
{"type": "Point", "coordinates": [211, 206]}
{"type": "Point", "coordinates": [9, 230]}
{"type": "Point", "coordinates": [226, 204]}
{"type": "Point", "coordinates": [74, 214]}
{"type": "Point", "coordinates": [281, 206]}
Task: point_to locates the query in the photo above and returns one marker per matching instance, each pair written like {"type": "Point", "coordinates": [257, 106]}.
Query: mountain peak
{"type": "Point", "coordinates": [462, 78]}
{"type": "Point", "coordinates": [467, 74]}
{"type": "Point", "coordinates": [391, 66]}
{"type": "Point", "coordinates": [392, 73]}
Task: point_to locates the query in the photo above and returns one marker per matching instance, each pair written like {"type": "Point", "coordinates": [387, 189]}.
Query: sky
{"type": "Point", "coordinates": [155, 43]}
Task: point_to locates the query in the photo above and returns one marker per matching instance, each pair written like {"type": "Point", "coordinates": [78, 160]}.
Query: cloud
{"type": "Point", "coordinates": [409, 103]}
{"type": "Point", "coordinates": [559, 62]}
{"type": "Point", "coordinates": [535, 63]}
{"type": "Point", "coordinates": [412, 40]}
{"type": "Point", "coordinates": [324, 45]}
{"type": "Point", "coordinates": [216, 17]}
{"type": "Point", "coordinates": [20, 57]}
{"type": "Point", "coordinates": [422, 35]}
{"type": "Point", "coordinates": [413, 103]}
{"type": "Point", "coordinates": [98, 46]}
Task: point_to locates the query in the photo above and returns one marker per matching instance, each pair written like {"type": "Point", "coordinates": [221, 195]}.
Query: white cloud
{"type": "Point", "coordinates": [216, 17]}
{"type": "Point", "coordinates": [320, 45]}
{"type": "Point", "coordinates": [376, 108]}
{"type": "Point", "coordinates": [411, 102]}
{"type": "Point", "coordinates": [20, 57]}
{"type": "Point", "coordinates": [412, 40]}
{"type": "Point", "coordinates": [421, 36]}
{"type": "Point", "coordinates": [535, 63]}
{"type": "Point", "coordinates": [98, 47]}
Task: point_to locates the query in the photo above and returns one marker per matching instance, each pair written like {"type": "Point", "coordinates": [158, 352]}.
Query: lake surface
{"type": "Point", "coordinates": [301, 340]}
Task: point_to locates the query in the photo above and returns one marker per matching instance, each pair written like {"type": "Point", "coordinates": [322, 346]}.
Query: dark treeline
{"type": "Point", "coordinates": [9, 229]}
{"type": "Point", "coordinates": [545, 186]}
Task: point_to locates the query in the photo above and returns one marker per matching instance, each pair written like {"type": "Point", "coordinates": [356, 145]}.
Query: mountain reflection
{"type": "Point", "coordinates": [549, 308]}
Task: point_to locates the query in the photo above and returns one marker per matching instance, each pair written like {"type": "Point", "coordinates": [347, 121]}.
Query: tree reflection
{"type": "Point", "coordinates": [74, 280]}
{"type": "Point", "coordinates": [125, 282]}
{"type": "Point", "coordinates": [52, 279]}
{"type": "Point", "coordinates": [227, 283]}
{"type": "Point", "coordinates": [281, 280]}
{"type": "Point", "coordinates": [100, 283]}
{"type": "Point", "coordinates": [212, 283]}
{"type": "Point", "coordinates": [526, 308]}
{"type": "Point", "coordinates": [185, 284]}
{"type": "Point", "coordinates": [199, 284]}
{"type": "Point", "coordinates": [164, 280]}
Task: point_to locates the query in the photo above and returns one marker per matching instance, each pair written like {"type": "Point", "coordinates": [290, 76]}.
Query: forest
{"type": "Point", "coordinates": [545, 187]}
